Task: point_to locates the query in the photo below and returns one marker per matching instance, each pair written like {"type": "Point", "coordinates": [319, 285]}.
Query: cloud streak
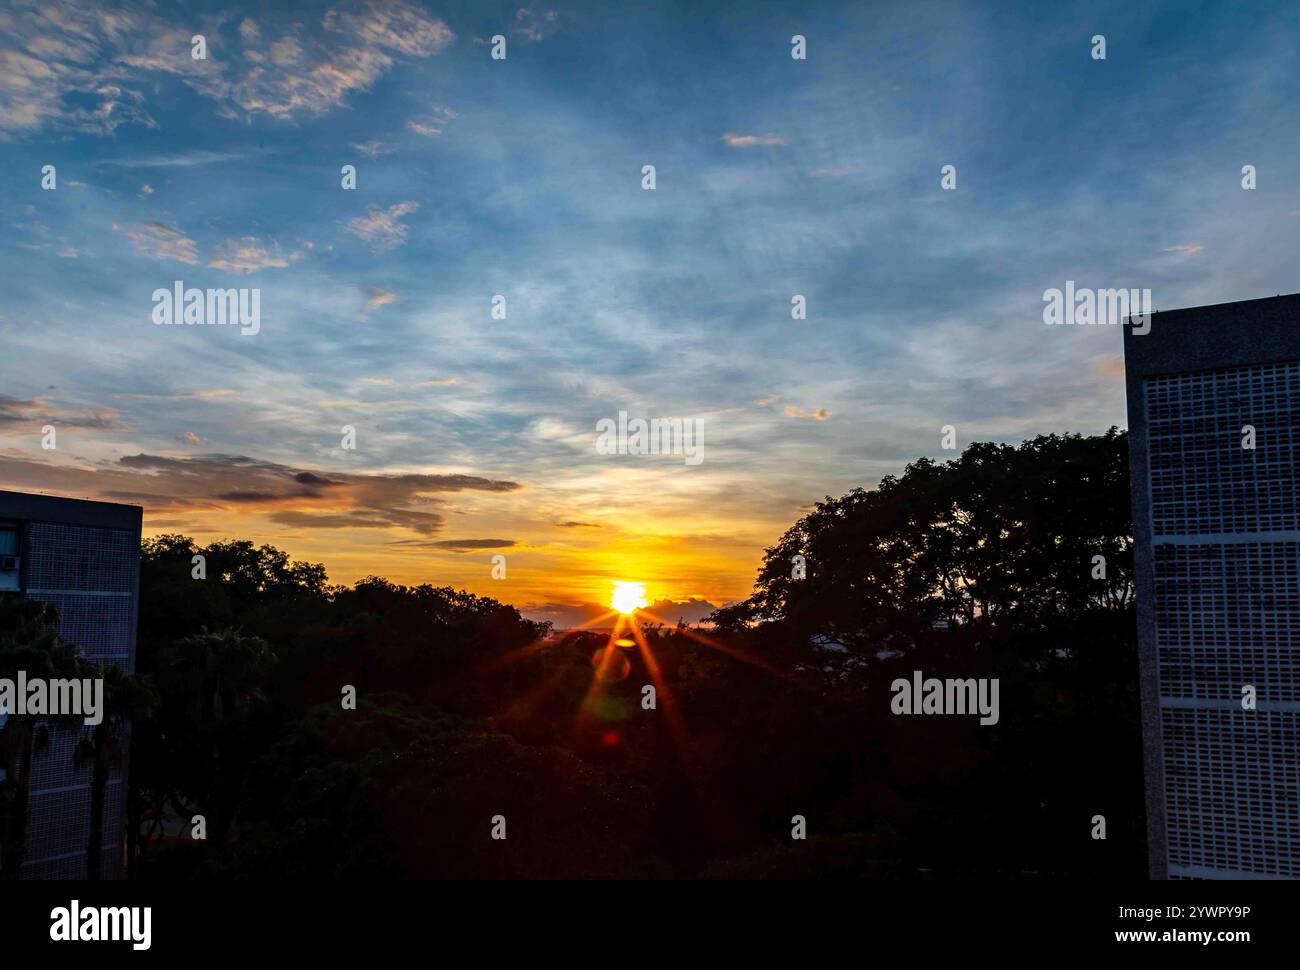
{"type": "Point", "coordinates": [291, 496]}
{"type": "Point", "coordinates": [734, 140]}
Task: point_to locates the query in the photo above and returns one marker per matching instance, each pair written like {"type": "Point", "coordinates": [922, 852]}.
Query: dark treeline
{"type": "Point", "coordinates": [983, 567]}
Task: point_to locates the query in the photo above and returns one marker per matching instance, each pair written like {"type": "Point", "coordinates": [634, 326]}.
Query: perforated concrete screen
{"type": "Point", "coordinates": [89, 575]}
{"type": "Point", "coordinates": [1224, 526]}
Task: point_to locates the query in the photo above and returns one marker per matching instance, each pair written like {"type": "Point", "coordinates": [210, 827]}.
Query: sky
{"type": "Point", "coordinates": [523, 177]}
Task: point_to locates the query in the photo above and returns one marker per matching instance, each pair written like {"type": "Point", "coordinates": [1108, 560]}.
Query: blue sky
{"type": "Point", "coordinates": [522, 177]}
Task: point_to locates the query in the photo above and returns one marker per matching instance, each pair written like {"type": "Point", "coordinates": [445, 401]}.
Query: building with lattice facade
{"type": "Point", "coordinates": [1214, 439]}
{"type": "Point", "coordinates": [83, 557]}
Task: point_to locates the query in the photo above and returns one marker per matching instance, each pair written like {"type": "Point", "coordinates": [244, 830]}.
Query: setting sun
{"type": "Point", "coordinates": [628, 597]}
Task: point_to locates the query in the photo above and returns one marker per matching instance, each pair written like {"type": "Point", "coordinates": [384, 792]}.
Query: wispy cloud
{"type": "Point", "coordinates": [34, 413]}
{"type": "Point", "coordinates": [247, 255]}
{"type": "Point", "coordinates": [383, 228]}
{"type": "Point", "coordinates": [372, 149]}
{"type": "Point", "coordinates": [174, 160]}
{"type": "Point", "coordinates": [157, 240]}
{"type": "Point", "coordinates": [187, 396]}
{"type": "Point", "coordinates": [456, 545]}
{"type": "Point", "coordinates": [376, 297]}
{"type": "Point", "coordinates": [1109, 365]}
{"type": "Point", "coordinates": [751, 141]}
{"type": "Point", "coordinates": [91, 75]}
{"type": "Point", "coordinates": [821, 414]}
{"type": "Point", "coordinates": [431, 125]}
{"type": "Point", "coordinates": [834, 171]}
{"type": "Point", "coordinates": [534, 27]}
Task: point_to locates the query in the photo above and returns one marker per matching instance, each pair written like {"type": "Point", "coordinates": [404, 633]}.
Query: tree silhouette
{"type": "Point", "coordinates": [1002, 536]}
{"type": "Point", "coordinates": [212, 686]}
{"type": "Point", "coordinates": [127, 700]}
{"type": "Point", "coordinates": [29, 642]}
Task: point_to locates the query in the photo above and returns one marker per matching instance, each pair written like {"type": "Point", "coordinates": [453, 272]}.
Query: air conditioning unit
{"type": "Point", "coordinates": [8, 564]}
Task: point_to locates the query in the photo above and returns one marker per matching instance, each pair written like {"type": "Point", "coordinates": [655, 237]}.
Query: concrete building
{"type": "Point", "coordinates": [83, 557]}
{"type": "Point", "coordinates": [1214, 441]}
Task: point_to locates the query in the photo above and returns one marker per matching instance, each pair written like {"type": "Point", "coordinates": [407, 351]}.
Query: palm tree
{"type": "Point", "coordinates": [126, 699]}
{"type": "Point", "coordinates": [29, 641]}
{"type": "Point", "coordinates": [216, 678]}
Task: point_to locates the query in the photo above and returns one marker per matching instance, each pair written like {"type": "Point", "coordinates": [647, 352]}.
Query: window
{"type": "Point", "coordinates": [9, 564]}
